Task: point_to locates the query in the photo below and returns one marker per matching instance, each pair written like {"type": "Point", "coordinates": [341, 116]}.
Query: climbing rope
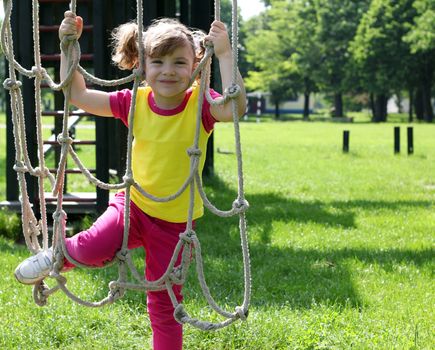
{"type": "Point", "coordinates": [188, 242]}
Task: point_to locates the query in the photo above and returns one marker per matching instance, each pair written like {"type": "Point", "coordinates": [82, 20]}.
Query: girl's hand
{"type": "Point", "coordinates": [71, 25]}
{"type": "Point", "coordinates": [218, 35]}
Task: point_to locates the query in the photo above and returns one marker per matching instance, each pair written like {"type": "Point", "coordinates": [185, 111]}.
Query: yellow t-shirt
{"type": "Point", "coordinates": [160, 162]}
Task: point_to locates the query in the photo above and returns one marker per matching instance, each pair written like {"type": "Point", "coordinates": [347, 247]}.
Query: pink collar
{"type": "Point", "coordinates": [168, 112]}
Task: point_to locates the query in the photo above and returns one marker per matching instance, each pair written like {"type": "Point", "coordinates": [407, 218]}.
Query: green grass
{"type": "Point", "coordinates": [342, 251]}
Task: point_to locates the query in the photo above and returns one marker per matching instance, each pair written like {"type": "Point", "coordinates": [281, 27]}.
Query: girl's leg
{"type": "Point", "coordinates": [100, 243]}
{"type": "Point", "coordinates": [93, 247]}
{"type": "Point", "coordinates": [161, 239]}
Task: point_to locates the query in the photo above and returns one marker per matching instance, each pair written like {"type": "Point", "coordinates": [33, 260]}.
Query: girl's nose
{"type": "Point", "coordinates": [168, 69]}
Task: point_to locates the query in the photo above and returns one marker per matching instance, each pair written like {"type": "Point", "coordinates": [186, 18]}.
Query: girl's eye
{"type": "Point", "coordinates": [156, 61]}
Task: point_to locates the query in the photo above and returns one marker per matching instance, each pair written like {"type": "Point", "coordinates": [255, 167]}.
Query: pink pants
{"type": "Point", "coordinates": [103, 240]}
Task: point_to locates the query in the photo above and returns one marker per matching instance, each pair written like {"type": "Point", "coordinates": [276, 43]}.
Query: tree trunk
{"type": "Point", "coordinates": [372, 105]}
{"type": "Point", "coordinates": [380, 106]}
{"type": "Point", "coordinates": [277, 110]}
{"type": "Point", "coordinates": [306, 105]}
{"type": "Point", "coordinates": [418, 103]}
{"type": "Point", "coordinates": [411, 102]}
{"type": "Point", "coordinates": [338, 104]}
{"type": "Point", "coordinates": [427, 94]}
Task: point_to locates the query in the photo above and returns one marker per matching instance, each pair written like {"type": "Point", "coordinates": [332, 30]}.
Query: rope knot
{"type": "Point", "coordinates": [10, 84]}
{"type": "Point", "coordinates": [42, 172]}
{"type": "Point", "coordinates": [62, 140]}
{"type": "Point", "coordinates": [122, 255]}
{"type": "Point", "coordinates": [116, 292]}
{"type": "Point", "coordinates": [233, 91]}
{"type": "Point", "coordinates": [59, 215]}
{"type": "Point", "coordinates": [20, 167]}
{"type": "Point", "coordinates": [38, 72]}
{"type": "Point", "coordinates": [128, 179]}
{"type": "Point", "coordinates": [194, 152]}
{"type": "Point", "coordinates": [187, 236]}
{"type": "Point", "coordinates": [241, 313]}
{"type": "Point", "coordinates": [240, 205]}
{"type": "Point", "coordinates": [176, 275]}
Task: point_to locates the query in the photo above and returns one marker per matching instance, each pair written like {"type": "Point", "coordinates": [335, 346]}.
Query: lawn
{"type": "Point", "coordinates": [342, 251]}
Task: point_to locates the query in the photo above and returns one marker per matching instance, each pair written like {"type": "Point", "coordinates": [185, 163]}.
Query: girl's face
{"type": "Point", "coordinates": [169, 76]}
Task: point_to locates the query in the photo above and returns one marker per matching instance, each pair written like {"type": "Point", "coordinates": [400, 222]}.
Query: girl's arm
{"type": "Point", "coordinates": [92, 101]}
{"type": "Point", "coordinates": [218, 35]}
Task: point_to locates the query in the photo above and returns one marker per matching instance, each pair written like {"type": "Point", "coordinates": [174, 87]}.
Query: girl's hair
{"type": "Point", "coordinates": [161, 38]}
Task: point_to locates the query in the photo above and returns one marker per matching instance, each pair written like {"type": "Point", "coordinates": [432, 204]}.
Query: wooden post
{"type": "Point", "coordinates": [24, 41]}
{"type": "Point", "coordinates": [346, 134]}
{"type": "Point", "coordinates": [397, 139]}
{"type": "Point", "coordinates": [410, 140]}
{"type": "Point", "coordinates": [101, 64]}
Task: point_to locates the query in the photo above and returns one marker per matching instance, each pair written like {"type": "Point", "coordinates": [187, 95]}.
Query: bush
{"type": "Point", "coordinates": [10, 225]}
{"type": "Point", "coordinates": [81, 225]}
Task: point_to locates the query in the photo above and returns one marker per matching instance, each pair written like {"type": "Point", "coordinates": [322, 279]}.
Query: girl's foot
{"type": "Point", "coordinates": [35, 268]}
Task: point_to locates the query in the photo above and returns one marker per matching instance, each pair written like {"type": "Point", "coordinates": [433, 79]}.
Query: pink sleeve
{"type": "Point", "coordinates": [120, 102]}
{"type": "Point", "coordinates": [207, 119]}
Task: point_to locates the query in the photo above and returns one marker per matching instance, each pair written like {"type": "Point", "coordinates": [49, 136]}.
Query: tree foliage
{"type": "Point", "coordinates": [380, 47]}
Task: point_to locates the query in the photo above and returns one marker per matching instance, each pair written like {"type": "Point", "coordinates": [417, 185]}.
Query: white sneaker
{"type": "Point", "coordinates": [35, 268]}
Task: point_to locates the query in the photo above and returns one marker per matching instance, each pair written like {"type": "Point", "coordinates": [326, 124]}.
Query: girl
{"type": "Point", "coordinates": [164, 127]}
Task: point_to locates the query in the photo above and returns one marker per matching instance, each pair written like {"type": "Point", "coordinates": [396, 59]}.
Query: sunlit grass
{"type": "Point", "coordinates": [342, 251]}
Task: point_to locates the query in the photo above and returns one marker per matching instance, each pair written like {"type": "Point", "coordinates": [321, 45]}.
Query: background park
{"type": "Point", "coordinates": [341, 242]}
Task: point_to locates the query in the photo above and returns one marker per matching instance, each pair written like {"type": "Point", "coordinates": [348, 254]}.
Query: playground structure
{"type": "Point", "coordinates": [188, 241]}
{"type": "Point", "coordinates": [110, 137]}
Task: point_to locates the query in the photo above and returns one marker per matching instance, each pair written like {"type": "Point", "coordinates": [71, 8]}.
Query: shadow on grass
{"type": "Point", "coordinates": [280, 275]}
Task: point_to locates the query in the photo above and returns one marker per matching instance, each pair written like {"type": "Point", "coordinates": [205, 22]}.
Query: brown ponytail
{"type": "Point", "coordinates": [125, 48]}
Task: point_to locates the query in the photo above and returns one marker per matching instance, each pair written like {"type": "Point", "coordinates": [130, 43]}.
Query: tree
{"type": "Point", "coordinates": [382, 56]}
{"type": "Point", "coordinates": [282, 52]}
{"type": "Point", "coordinates": [296, 20]}
{"type": "Point", "coordinates": [421, 38]}
{"type": "Point", "coordinates": [272, 73]}
{"type": "Point", "coordinates": [337, 22]}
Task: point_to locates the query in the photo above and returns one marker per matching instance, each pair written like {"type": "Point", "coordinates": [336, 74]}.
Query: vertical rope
{"type": "Point", "coordinates": [38, 80]}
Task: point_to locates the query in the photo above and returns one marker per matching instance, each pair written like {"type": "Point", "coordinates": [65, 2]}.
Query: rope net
{"type": "Point", "coordinates": [188, 242]}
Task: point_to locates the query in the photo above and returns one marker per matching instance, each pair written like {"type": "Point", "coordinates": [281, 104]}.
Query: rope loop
{"type": "Point", "coordinates": [180, 314]}
{"type": "Point", "coordinates": [194, 152]}
{"type": "Point", "coordinates": [240, 205]}
{"type": "Point", "coordinates": [242, 313]}
{"type": "Point", "coordinates": [59, 278]}
{"type": "Point", "coordinates": [68, 140]}
{"type": "Point", "coordinates": [232, 91]}
{"type": "Point", "coordinates": [10, 84]}
{"type": "Point", "coordinates": [39, 295]}
{"type": "Point", "coordinates": [20, 167]}
{"type": "Point", "coordinates": [187, 236]}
